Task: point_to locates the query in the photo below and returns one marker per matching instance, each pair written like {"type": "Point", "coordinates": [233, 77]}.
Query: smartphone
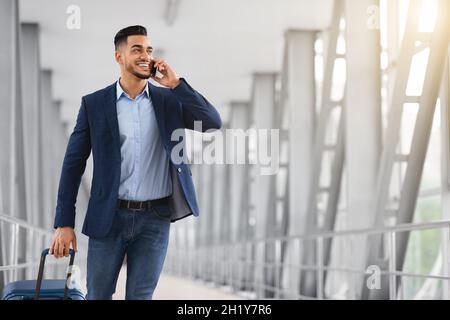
{"type": "Point", "coordinates": [152, 69]}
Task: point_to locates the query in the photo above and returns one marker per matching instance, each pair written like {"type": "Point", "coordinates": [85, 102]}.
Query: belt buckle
{"type": "Point", "coordinates": [133, 207]}
{"type": "Point", "coordinates": [129, 205]}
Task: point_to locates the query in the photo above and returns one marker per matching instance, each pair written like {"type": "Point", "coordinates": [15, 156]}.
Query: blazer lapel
{"type": "Point", "coordinates": [158, 106]}
{"type": "Point", "coordinates": [110, 105]}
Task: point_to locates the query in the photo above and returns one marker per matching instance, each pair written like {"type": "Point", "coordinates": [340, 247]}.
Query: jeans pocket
{"type": "Point", "coordinates": [162, 212]}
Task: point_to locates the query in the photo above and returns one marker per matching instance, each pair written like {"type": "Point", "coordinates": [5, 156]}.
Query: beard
{"type": "Point", "coordinates": [144, 76]}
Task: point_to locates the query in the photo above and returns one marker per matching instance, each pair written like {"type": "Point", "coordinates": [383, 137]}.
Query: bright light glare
{"type": "Point", "coordinates": [428, 15]}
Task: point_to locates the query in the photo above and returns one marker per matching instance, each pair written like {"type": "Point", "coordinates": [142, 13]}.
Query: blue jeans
{"type": "Point", "coordinates": [142, 236]}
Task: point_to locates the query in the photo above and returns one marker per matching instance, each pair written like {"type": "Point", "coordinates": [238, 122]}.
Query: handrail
{"type": "Point", "coordinates": [331, 234]}
{"type": "Point", "coordinates": [29, 227]}
{"type": "Point", "coordinates": [25, 265]}
{"type": "Point", "coordinates": [23, 224]}
{"type": "Point", "coordinates": [319, 268]}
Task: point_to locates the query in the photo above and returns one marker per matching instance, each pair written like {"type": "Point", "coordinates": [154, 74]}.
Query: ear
{"type": "Point", "coordinates": [118, 56]}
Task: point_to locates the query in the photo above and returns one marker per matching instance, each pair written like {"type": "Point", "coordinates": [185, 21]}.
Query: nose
{"type": "Point", "coordinates": [146, 56]}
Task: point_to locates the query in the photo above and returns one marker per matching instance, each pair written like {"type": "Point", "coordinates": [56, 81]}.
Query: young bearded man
{"type": "Point", "coordinates": [137, 189]}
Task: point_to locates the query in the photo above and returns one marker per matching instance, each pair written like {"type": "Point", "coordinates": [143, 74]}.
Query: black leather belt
{"type": "Point", "coordinates": [141, 205]}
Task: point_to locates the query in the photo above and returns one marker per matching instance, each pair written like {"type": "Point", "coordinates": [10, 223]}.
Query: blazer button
{"type": "Point", "coordinates": [179, 169]}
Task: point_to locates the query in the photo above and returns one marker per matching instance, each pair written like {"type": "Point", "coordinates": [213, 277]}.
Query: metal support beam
{"type": "Point", "coordinates": [363, 125]}
{"type": "Point", "coordinates": [220, 211]}
{"type": "Point", "coordinates": [32, 129]}
{"type": "Point", "coordinates": [239, 120]}
{"type": "Point", "coordinates": [239, 186]}
{"type": "Point", "coordinates": [172, 7]}
{"type": "Point", "coordinates": [12, 184]}
{"type": "Point", "coordinates": [438, 47]}
{"type": "Point", "coordinates": [31, 99]}
{"type": "Point", "coordinates": [300, 100]}
{"type": "Point", "coordinates": [48, 150]}
{"type": "Point", "coordinates": [327, 161]}
{"type": "Point", "coordinates": [263, 107]}
{"type": "Point", "coordinates": [206, 220]}
{"type": "Point", "coordinates": [445, 169]}
{"type": "Point", "coordinates": [438, 55]}
{"type": "Point", "coordinates": [194, 232]}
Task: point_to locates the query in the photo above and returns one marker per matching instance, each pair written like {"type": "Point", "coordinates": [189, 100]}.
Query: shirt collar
{"type": "Point", "coordinates": [120, 91]}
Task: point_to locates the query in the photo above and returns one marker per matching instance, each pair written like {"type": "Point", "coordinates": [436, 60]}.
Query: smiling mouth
{"type": "Point", "coordinates": [145, 66]}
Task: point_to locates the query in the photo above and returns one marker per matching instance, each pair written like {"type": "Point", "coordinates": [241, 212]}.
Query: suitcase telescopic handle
{"type": "Point", "coordinates": [41, 273]}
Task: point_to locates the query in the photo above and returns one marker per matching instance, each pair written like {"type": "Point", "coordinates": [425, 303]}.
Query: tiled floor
{"type": "Point", "coordinates": [174, 288]}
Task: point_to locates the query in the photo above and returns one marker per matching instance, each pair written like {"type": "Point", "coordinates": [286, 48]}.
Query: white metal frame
{"type": "Point", "coordinates": [232, 259]}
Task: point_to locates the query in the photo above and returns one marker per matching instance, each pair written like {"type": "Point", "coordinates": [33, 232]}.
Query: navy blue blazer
{"type": "Point", "coordinates": [97, 129]}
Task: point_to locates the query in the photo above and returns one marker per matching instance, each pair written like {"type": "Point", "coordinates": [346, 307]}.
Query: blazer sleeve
{"type": "Point", "coordinates": [196, 108]}
{"type": "Point", "coordinates": [74, 164]}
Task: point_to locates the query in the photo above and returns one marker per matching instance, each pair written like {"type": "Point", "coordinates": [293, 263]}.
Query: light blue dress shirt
{"type": "Point", "coordinates": [144, 162]}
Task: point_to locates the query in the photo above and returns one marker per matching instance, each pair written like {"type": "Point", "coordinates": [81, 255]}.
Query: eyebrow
{"type": "Point", "coordinates": [141, 46]}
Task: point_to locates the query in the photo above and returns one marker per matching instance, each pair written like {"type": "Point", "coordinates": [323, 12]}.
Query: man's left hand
{"type": "Point", "coordinates": [169, 77]}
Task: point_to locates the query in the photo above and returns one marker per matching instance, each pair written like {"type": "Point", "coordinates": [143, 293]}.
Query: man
{"type": "Point", "coordinates": [137, 190]}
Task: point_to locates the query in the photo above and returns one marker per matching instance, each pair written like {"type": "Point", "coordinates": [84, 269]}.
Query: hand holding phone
{"type": "Point", "coordinates": [152, 68]}
{"type": "Point", "coordinates": [168, 76]}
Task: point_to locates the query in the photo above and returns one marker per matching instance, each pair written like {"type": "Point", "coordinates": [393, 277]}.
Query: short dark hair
{"type": "Point", "coordinates": [123, 34]}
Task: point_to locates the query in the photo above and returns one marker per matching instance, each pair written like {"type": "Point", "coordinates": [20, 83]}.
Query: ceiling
{"type": "Point", "coordinates": [216, 45]}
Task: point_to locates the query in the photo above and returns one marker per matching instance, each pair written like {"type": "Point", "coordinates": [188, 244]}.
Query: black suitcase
{"type": "Point", "coordinates": [51, 289]}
